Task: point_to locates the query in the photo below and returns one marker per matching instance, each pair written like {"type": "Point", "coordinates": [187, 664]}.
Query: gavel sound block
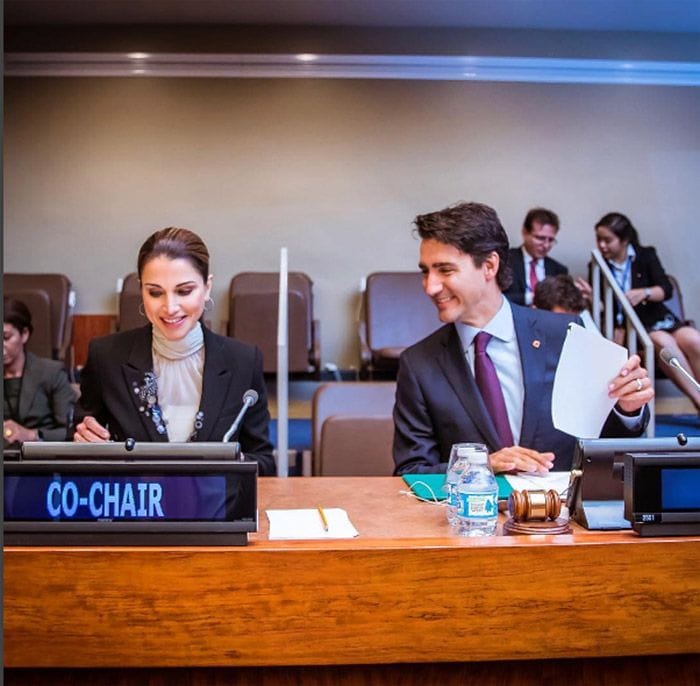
{"type": "Point", "coordinates": [535, 512]}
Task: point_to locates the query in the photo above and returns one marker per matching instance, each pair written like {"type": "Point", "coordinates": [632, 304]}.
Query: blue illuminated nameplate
{"type": "Point", "coordinates": [137, 498]}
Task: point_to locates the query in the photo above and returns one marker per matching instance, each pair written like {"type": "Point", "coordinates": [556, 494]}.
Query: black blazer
{"type": "Point", "coordinates": [45, 398]}
{"type": "Point", "coordinates": [438, 402]}
{"type": "Point", "coordinates": [516, 291]}
{"type": "Point", "coordinates": [117, 369]}
{"type": "Point", "coordinates": [647, 272]}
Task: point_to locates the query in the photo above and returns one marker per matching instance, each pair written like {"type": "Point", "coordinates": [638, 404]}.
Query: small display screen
{"type": "Point", "coordinates": [680, 489]}
{"type": "Point", "coordinates": [122, 493]}
{"type": "Point", "coordinates": [79, 497]}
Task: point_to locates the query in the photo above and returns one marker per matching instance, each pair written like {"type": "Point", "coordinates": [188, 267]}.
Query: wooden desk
{"type": "Point", "coordinates": [404, 591]}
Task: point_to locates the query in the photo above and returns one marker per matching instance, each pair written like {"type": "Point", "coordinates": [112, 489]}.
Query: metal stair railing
{"type": "Point", "coordinates": [634, 327]}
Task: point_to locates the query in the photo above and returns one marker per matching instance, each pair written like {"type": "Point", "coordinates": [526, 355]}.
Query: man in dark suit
{"type": "Point", "coordinates": [530, 262]}
{"type": "Point", "coordinates": [440, 396]}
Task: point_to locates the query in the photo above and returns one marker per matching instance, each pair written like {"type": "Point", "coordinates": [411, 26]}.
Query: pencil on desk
{"type": "Point", "coordinates": [322, 514]}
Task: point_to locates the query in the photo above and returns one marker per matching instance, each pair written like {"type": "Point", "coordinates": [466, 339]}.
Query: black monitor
{"type": "Point", "coordinates": [130, 450]}
{"type": "Point", "coordinates": [596, 495]}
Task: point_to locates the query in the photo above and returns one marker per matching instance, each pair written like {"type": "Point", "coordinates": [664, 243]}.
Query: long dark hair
{"type": "Point", "coordinates": [621, 226]}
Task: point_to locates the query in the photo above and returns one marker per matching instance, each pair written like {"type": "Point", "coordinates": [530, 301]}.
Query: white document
{"type": "Point", "coordinates": [307, 524]}
{"type": "Point", "coordinates": [559, 481]}
{"type": "Point", "coordinates": [588, 363]}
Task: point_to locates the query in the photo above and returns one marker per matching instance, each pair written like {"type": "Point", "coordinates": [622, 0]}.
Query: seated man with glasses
{"type": "Point", "coordinates": [529, 263]}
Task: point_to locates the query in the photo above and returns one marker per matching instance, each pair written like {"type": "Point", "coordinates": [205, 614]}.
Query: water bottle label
{"type": "Point", "coordinates": [478, 505]}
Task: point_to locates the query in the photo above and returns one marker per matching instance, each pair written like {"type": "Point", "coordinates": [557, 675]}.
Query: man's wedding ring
{"type": "Point", "coordinates": [640, 385]}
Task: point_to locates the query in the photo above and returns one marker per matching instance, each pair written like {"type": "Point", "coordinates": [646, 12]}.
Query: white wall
{"type": "Point", "coordinates": [336, 171]}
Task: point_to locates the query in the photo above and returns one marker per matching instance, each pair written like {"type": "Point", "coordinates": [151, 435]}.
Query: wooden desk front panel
{"type": "Point", "coordinates": [377, 599]}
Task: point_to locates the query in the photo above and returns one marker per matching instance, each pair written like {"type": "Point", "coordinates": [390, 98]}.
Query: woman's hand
{"type": "Point", "coordinates": [585, 288]}
{"type": "Point", "coordinates": [636, 296]}
{"type": "Point", "coordinates": [14, 432]}
{"type": "Point", "coordinates": [90, 431]}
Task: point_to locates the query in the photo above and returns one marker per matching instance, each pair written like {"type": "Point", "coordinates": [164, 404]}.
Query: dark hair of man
{"type": "Point", "coordinates": [621, 226]}
{"type": "Point", "coordinates": [174, 244]}
{"type": "Point", "coordinates": [558, 291]}
{"type": "Point", "coordinates": [473, 228]}
{"type": "Point", "coordinates": [15, 312]}
{"type": "Point", "coordinates": [540, 215]}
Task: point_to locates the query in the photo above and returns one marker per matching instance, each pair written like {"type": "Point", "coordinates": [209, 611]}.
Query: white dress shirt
{"type": "Point", "coordinates": [505, 355]}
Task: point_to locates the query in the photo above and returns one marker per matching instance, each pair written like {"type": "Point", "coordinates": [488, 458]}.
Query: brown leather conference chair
{"type": "Point", "coordinates": [397, 313]}
{"type": "Point", "coordinates": [51, 301]}
{"type": "Point", "coordinates": [129, 315]}
{"type": "Point", "coordinates": [353, 428]}
{"type": "Point", "coordinates": [253, 311]}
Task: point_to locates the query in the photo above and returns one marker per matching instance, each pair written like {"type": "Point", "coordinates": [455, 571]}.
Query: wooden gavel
{"type": "Point", "coordinates": [527, 506]}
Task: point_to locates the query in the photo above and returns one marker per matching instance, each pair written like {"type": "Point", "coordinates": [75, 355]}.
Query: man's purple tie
{"type": "Point", "coordinates": [491, 392]}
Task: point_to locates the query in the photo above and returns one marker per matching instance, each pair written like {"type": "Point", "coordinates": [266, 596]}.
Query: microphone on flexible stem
{"type": "Point", "coordinates": [672, 361]}
{"type": "Point", "coordinates": [250, 397]}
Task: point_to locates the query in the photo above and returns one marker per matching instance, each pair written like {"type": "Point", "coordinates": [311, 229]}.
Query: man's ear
{"type": "Point", "coordinates": [491, 265]}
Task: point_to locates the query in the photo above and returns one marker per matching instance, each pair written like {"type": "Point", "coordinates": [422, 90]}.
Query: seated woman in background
{"type": "Point", "coordinates": [173, 379]}
{"type": "Point", "coordinates": [560, 294]}
{"type": "Point", "coordinates": [37, 396]}
{"type": "Point", "coordinates": [639, 273]}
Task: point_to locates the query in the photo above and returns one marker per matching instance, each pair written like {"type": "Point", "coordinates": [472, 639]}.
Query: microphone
{"type": "Point", "coordinates": [672, 361]}
{"type": "Point", "coordinates": [250, 397]}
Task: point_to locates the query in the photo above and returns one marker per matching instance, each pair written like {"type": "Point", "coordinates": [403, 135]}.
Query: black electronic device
{"type": "Point", "coordinates": [596, 493]}
{"type": "Point", "coordinates": [130, 450]}
{"type": "Point", "coordinates": [662, 493]}
{"type": "Point", "coordinates": [145, 499]}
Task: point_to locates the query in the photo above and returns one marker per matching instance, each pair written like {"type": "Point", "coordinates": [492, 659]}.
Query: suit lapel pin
{"type": "Point", "coordinates": [536, 344]}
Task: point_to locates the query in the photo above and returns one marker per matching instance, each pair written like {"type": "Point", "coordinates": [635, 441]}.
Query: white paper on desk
{"type": "Point", "coordinates": [588, 363]}
{"type": "Point", "coordinates": [307, 524]}
{"type": "Point", "coordinates": [559, 481]}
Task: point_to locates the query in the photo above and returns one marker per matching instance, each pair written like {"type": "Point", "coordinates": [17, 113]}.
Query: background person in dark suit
{"type": "Point", "coordinates": [37, 396]}
{"type": "Point", "coordinates": [530, 263]}
{"type": "Point", "coordinates": [438, 402]}
{"type": "Point", "coordinates": [638, 271]}
{"type": "Point", "coordinates": [173, 379]}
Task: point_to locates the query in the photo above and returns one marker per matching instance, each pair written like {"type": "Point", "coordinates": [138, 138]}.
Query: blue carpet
{"type": "Point", "coordinates": [299, 434]}
{"type": "Point", "coordinates": [673, 424]}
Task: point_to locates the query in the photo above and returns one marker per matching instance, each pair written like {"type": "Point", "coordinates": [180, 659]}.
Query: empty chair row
{"type": "Point", "coordinates": [253, 306]}
{"type": "Point", "coordinates": [395, 314]}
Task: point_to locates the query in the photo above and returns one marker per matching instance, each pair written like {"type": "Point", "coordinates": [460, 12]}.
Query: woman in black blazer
{"type": "Point", "coordinates": [639, 273]}
{"type": "Point", "coordinates": [38, 399]}
{"type": "Point", "coordinates": [173, 380]}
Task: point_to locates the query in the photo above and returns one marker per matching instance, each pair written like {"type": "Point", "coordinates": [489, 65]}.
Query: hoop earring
{"type": "Point", "coordinates": [141, 310]}
{"type": "Point", "coordinates": [210, 302]}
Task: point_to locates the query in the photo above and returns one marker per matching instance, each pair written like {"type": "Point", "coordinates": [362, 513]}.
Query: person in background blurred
{"type": "Point", "coordinates": [560, 294]}
{"type": "Point", "coordinates": [37, 397]}
{"type": "Point", "coordinates": [638, 271]}
{"type": "Point", "coordinates": [530, 262]}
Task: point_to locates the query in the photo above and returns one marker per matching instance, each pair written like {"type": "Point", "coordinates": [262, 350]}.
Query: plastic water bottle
{"type": "Point", "coordinates": [458, 463]}
{"type": "Point", "coordinates": [477, 490]}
